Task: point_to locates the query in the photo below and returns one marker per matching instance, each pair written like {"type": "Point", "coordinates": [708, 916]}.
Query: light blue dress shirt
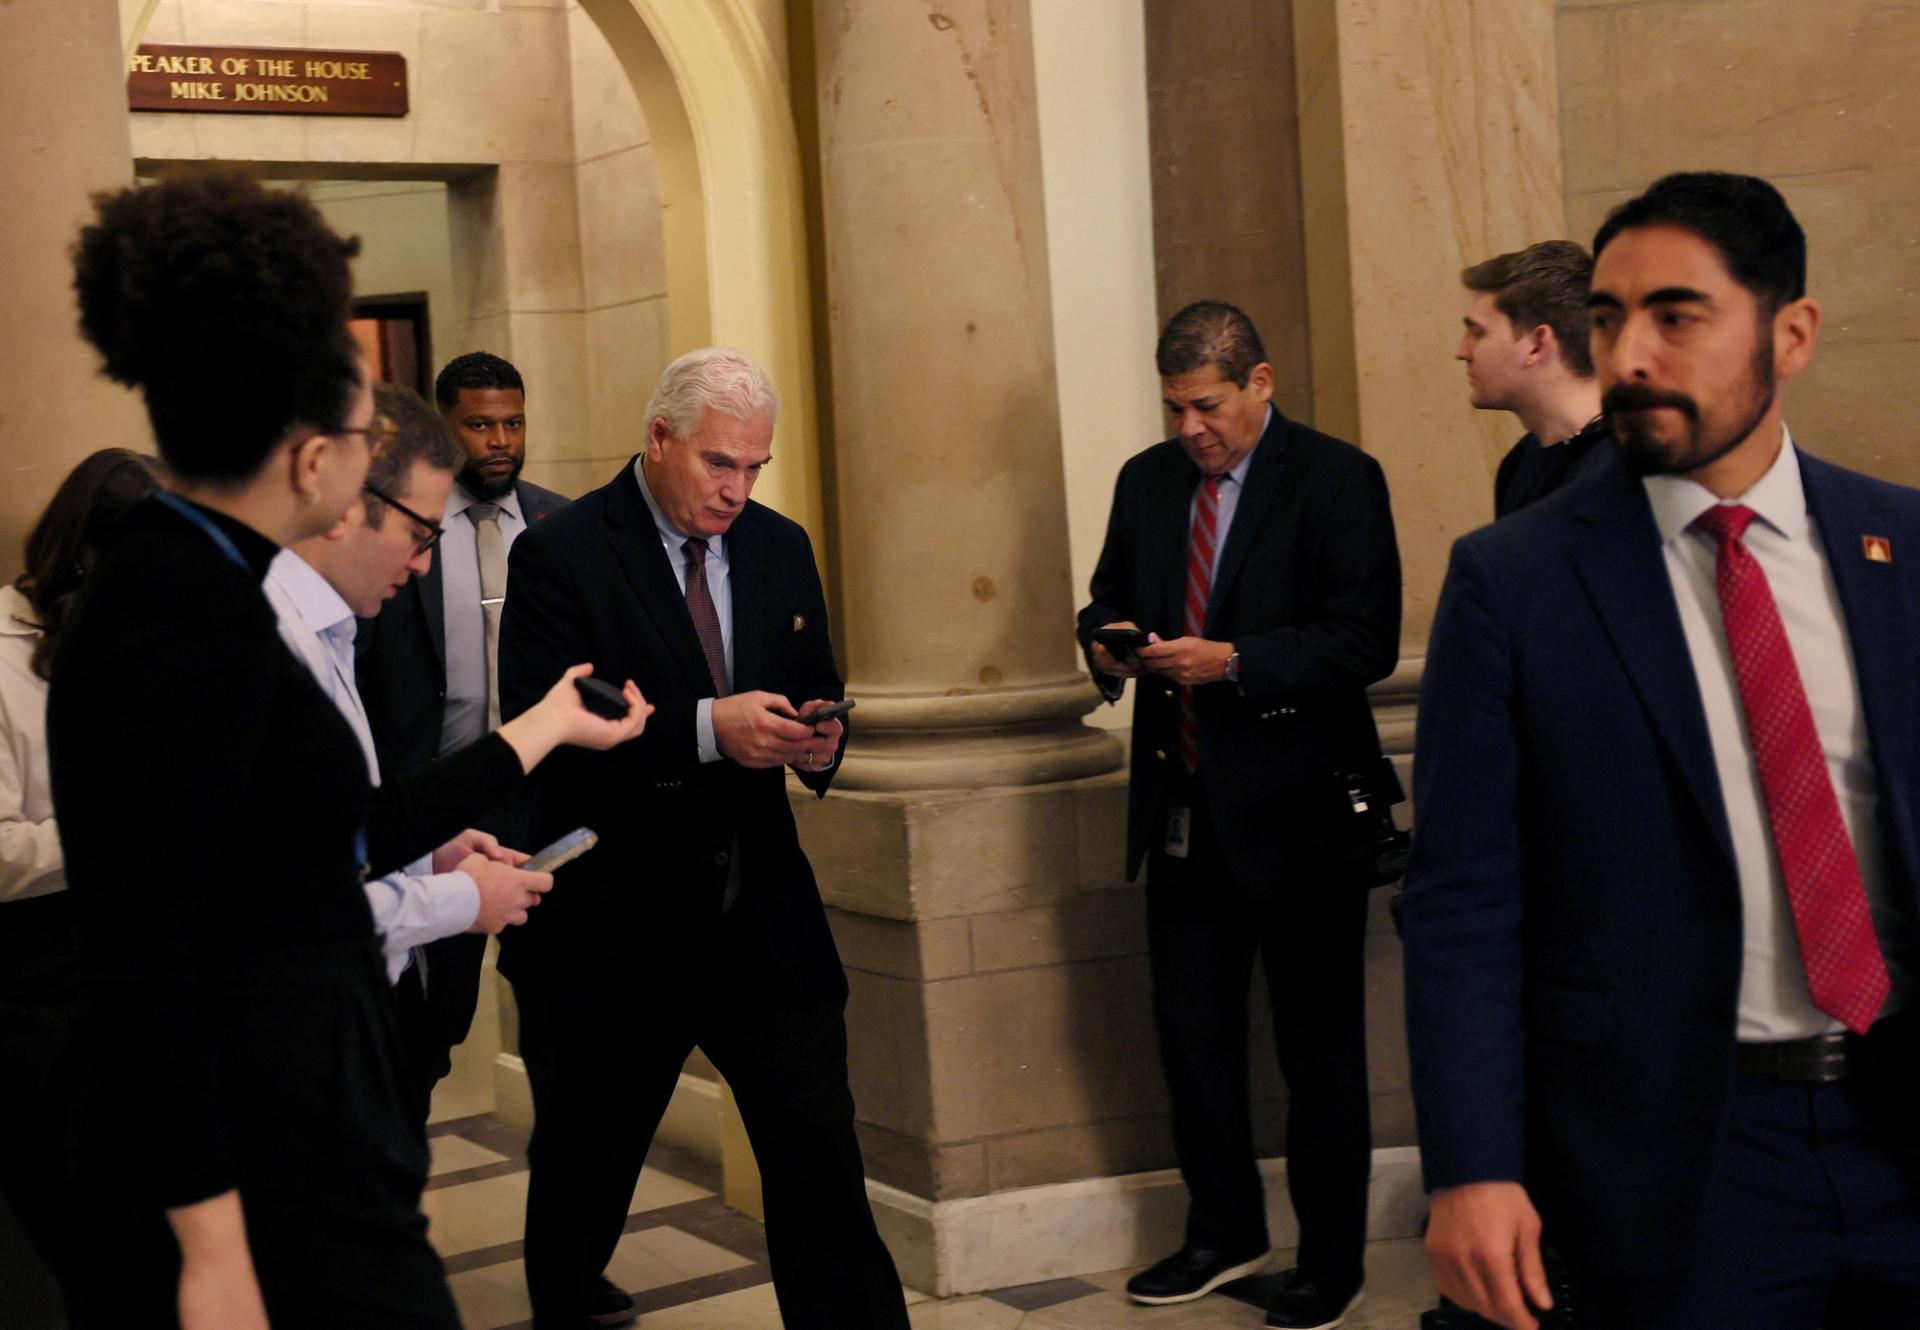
{"type": "Point", "coordinates": [417, 905]}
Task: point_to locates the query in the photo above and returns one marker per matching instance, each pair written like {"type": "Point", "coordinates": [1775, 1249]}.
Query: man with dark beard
{"type": "Point", "coordinates": [427, 665]}
{"type": "Point", "coordinates": [1660, 923]}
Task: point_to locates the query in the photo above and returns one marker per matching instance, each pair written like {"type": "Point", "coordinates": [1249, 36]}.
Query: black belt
{"type": "Point", "coordinates": [1821, 1059]}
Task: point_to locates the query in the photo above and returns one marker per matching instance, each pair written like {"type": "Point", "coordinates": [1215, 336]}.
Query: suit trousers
{"type": "Point", "coordinates": [435, 1014]}
{"type": "Point", "coordinates": [604, 1050]}
{"type": "Point", "coordinates": [1812, 1222]}
{"type": "Point", "coordinates": [1204, 930]}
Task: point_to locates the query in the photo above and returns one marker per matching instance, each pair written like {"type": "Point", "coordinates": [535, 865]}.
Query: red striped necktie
{"type": "Point", "coordinates": [1200, 548]}
{"type": "Point", "coordinates": [1846, 973]}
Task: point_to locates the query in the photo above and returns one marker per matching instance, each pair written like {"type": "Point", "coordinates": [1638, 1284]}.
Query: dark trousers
{"type": "Point", "coordinates": [603, 1052]}
{"type": "Point", "coordinates": [1813, 1221]}
{"type": "Point", "coordinates": [38, 1004]}
{"type": "Point", "coordinates": [1204, 930]}
{"type": "Point", "coordinates": [435, 1014]}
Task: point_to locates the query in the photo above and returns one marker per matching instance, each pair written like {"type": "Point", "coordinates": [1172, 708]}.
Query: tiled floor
{"type": "Point", "coordinates": [693, 1264]}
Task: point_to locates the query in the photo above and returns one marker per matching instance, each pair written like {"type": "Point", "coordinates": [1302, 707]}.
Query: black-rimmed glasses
{"type": "Point", "coordinates": [421, 543]}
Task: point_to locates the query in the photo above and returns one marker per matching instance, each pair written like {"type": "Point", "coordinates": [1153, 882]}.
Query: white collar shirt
{"type": "Point", "coordinates": [464, 713]}
{"type": "Point", "coordinates": [1774, 1002]}
{"type": "Point", "coordinates": [412, 907]}
{"type": "Point", "coordinates": [719, 586]}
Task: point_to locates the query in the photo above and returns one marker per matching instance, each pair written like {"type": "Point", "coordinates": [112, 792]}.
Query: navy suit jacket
{"type": "Point", "coordinates": [401, 656]}
{"type": "Point", "coordinates": [592, 583]}
{"type": "Point", "coordinates": [1308, 591]}
{"type": "Point", "coordinates": [1572, 913]}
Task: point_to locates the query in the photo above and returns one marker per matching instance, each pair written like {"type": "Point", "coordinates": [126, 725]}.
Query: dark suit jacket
{"type": "Point", "coordinates": [1308, 590]}
{"type": "Point", "coordinates": [1572, 912]}
{"type": "Point", "coordinates": [592, 583]}
{"type": "Point", "coordinates": [401, 656]}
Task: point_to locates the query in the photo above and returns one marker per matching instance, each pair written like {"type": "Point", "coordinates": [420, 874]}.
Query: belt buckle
{"type": "Point", "coordinates": [1821, 1060]}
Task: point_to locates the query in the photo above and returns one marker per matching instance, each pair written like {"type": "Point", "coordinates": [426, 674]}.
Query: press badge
{"type": "Point", "coordinates": [1179, 828]}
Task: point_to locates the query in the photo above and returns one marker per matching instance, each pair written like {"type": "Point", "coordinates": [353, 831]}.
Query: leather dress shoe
{"type": "Point", "coordinates": [607, 1305]}
{"type": "Point", "coordinates": [1306, 1303]}
{"type": "Point", "coordinates": [1192, 1272]}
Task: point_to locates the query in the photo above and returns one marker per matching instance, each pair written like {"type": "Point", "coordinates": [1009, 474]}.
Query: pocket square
{"type": "Point", "coordinates": [799, 622]}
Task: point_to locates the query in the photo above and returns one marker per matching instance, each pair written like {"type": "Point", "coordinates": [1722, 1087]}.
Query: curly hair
{"type": "Point", "coordinates": [60, 548]}
{"type": "Point", "coordinates": [226, 304]}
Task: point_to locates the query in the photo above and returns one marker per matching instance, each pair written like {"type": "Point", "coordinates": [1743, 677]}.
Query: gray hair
{"type": "Point", "coordinates": [714, 378]}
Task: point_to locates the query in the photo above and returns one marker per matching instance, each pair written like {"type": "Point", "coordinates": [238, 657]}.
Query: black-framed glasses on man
{"type": "Point", "coordinates": [380, 432]}
{"type": "Point", "coordinates": [421, 544]}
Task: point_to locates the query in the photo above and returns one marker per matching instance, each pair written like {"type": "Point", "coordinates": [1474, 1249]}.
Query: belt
{"type": "Point", "coordinates": [1821, 1059]}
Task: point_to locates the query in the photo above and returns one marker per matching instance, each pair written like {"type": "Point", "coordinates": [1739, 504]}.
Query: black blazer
{"type": "Point", "coordinates": [1308, 590]}
{"type": "Point", "coordinates": [401, 656]}
{"type": "Point", "coordinates": [1572, 911]}
{"type": "Point", "coordinates": [592, 583]}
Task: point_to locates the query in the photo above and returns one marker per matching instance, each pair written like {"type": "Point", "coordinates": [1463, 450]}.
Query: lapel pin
{"type": "Point", "coordinates": [800, 620]}
{"type": "Point", "coordinates": [1878, 549]}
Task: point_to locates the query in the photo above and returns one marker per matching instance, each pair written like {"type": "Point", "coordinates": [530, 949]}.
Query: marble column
{"type": "Point", "coordinates": [970, 853]}
{"type": "Point", "coordinates": [1430, 140]}
{"type": "Point", "coordinates": [954, 567]}
{"type": "Point", "coordinates": [64, 102]}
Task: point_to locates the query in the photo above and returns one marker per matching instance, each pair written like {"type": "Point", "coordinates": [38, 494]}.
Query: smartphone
{"type": "Point", "coordinates": [563, 851]}
{"type": "Point", "coordinates": [1120, 642]}
{"type": "Point", "coordinates": [602, 699]}
{"type": "Point", "coordinates": [832, 711]}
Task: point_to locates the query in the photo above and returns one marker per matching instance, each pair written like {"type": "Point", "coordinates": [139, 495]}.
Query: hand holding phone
{"type": "Point", "coordinates": [563, 851]}
{"type": "Point", "coordinates": [831, 711]}
{"type": "Point", "coordinates": [602, 699]}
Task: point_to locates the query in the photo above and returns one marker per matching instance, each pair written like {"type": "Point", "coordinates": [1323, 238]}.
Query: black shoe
{"type": "Point", "coordinates": [1191, 1272]}
{"type": "Point", "coordinates": [607, 1305]}
{"type": "Point", "coordinates": [1306, 1303]}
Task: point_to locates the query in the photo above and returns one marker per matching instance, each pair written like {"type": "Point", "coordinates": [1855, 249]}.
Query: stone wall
{"type": "Point", "coordinates": [1821, 100]}
{"type": "Point", "coordinates": [552, 200]}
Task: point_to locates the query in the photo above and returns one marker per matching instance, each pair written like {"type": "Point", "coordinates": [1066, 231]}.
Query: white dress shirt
{"type": "Point", "coordinates": [464, 714]}
{"type": "Point", "coordinates": [1774, 1000]}
{"type": "Point", "coordinates": [30, 860]}
{"type": "Point", "coordinates": [719, 585]}
{"type": "Point", "coordinates": [418, 905]}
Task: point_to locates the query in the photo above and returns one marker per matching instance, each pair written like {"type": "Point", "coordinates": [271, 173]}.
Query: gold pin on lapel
{"type": "Point", "coordinates": [1878, 549]}
{"type": "Point", "coordinates": [800, 620]}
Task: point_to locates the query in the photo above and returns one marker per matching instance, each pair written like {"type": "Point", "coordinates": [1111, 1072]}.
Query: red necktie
{"type": "Point", "coordinates": [1846, 973]}
{"type": "Point", "coordinates": [1200, 545]}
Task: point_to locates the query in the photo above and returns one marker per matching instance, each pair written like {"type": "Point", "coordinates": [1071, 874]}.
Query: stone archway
{"type": "Point", "coordinates": [714, 92]}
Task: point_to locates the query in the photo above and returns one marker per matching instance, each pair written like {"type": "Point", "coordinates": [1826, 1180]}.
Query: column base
{"type": "Point", "coordinates": [949, 1248]}
{"type": "Point", "coordinates": [1029, 735]}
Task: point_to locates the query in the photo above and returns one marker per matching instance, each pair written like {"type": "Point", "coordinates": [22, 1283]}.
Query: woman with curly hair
{"type": "Point", "coordinates": [216, 810]}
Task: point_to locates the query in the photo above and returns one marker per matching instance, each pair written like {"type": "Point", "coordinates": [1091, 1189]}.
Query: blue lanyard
{"type": "Point", "coordinates": [224, 543]}
{"type": "Point", "coordinates": [221, 540]}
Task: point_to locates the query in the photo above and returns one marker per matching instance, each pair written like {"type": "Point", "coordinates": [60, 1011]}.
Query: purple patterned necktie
{"type": "Point", "coordinates": [706, 619]}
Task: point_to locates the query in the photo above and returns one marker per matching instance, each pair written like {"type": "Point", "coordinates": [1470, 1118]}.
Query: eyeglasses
{"type": "Point", "coordinates": [421, 544]}
{"type": "Point", "coordinates": [380, 432]}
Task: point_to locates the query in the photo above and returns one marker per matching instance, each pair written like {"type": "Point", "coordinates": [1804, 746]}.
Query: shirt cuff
{"type": "Point", "coordinates": [703, 730]}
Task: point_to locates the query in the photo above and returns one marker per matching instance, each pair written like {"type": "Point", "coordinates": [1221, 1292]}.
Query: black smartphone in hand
{"type": "Point", "coordinates": [602, 699]}
{"type": "Point", "coordinates": [1120, 642]}
{"type": "Point", "coordinates": [832, 711]}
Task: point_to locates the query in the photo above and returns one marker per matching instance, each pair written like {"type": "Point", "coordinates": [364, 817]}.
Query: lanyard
{"type": "Point", "coordinates": [224, 543]}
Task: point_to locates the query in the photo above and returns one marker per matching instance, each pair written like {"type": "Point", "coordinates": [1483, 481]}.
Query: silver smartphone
{"type": "Point", "coordinates": [563, 851]}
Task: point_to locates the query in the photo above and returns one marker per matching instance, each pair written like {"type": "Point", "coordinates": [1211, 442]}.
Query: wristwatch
{"type": "Point", "coordinates": [1233, 667]}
